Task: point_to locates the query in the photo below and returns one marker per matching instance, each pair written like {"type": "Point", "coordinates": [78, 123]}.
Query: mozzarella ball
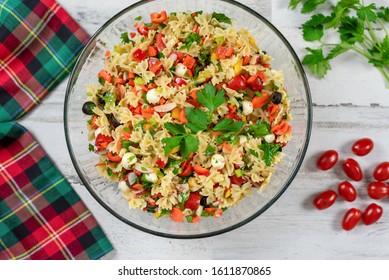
{"type": "Point", "coordinates": [128, 160]}
{"type": "Point", "coordinates": [218, 161]}
{"type": "Point", "coordinates": [152, 96]}
{"type": "Point", "coordinates": [247, 108]}
{"type": "Point", "coordinates": [181, 70]}
{"type": "Point", "coordinates": [270, 138]}
{"type": "Point", "coordinates": [151, 177]}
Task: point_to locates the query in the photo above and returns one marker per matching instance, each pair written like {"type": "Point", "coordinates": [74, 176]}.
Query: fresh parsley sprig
{"type": "Point", "coordinates": [356, 24]}
{"type": "Point", "coordinates": [188, 142]}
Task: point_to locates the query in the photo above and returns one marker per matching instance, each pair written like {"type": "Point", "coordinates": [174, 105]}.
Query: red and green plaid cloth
{"type": "Point", "coordinates": [41, 216]}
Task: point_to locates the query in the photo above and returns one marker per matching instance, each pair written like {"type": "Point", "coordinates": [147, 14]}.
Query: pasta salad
{"type": "Point", "coordinates": [187, 116]}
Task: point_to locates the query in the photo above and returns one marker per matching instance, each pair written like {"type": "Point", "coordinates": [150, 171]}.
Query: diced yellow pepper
{"type": "Point", "coordinates": [238, 67]}
{"type": "Point", "coordinates": [244, 118]}
{"type": "Point", "coordinates": [174, 150]}
{"type": "Point", "coordinates": [157, 215]}
{"type": "Point", "coordinates": [252, 42]}
{"type": "Point", "coordinates": [191, 181]}
{"type": "Point", "coordinates": [213, 57]}
{"type": "Point", "coordinates": [176, 113]}
{"type": "Point", "coordinates": [228, 194]}
{"type": "Point", "coordinates": [147, 126]}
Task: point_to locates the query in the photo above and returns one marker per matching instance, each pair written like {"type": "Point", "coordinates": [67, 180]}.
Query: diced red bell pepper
{"type": "Point", "coordinates": [224, 52]}
{"type": "Point", "coordinates": [186, 169]}
{"type": "Point", "coordinates": [102, 141]}
{"type": "Point", "coordinates": [139, 55]}
{"type": "Point", "coordinates": [159, 42]}
{"type": "Point", "coordinates": [161, 163]}
{"type": "Point", "coordinates": [237, 83]}
{"type": "Point", "coordinates": [193, 201]}
{"type": "Point", "coordinates": [236, 180]}
{"type": "Point", "coordinates": [158, 18]}
{"type": "Point", "coordinates": [201, 170]}
{"type": "Point", "coordinates": [155, 65]}
{"type": "Point", "coordinates": [113, 157]}
{"type": "Point", "coordinates": [143, 30]}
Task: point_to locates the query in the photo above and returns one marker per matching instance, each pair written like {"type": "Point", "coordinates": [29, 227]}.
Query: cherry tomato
{"type": "Point", "coordinates": [362, 146]}
{"type": "Point", "coordinates": [113, 157]}
{"type": "Point", "coordinates": [381, 172]}
{"type": "Point", "coordinates": [237, 83]}
{"type": "Point", "coordinates": [193, 201]}
{"type": "Point", "coordinates": [255, 83]}
{"type": "Point", "coordinates": [325, 199]}
{"type": "Point", "coordinates": [351, 218]}
{"type": "Point", "coordinates": [327, 160]}
{"type": "Point", "coordinates": [102, 141]}
{"type": "Point", "coordinates": [139, 55]}
{"type": "Point", "coordinates": [352, 169]}
{"type": "Point", "coordinates": [372, 214]}
{"type": "Point", "coordinates": [347, 191]}
{"type": "Point", "coordinates": [378, 190]}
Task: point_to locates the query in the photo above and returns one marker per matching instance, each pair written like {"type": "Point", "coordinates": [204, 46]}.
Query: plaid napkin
{"type": "Point", "coordinates": [39, 44]}
{"type": "Point", "coordinates": [41, 217]}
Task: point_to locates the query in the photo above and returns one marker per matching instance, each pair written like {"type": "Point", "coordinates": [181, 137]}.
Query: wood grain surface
{"type": "Point", "coordinates": [350, 103]}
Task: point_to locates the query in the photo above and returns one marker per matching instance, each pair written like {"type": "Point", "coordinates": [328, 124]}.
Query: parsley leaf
{"type": "Point", "coordinates": [183, 198]}
{"type": "Point", "coordinates": [210, 99]}
{"type": "Point", "coordinates": [91, 148]}
{"type": "Point", "coordinates": [174, 128]}
{"type": "Point", "coordinates": [190, 144]}
{"type": "Point", "coordinates": [220, 17]}
{"type": "Point", "coordinates": [351, 30]}
{"type": "Point", "coordinates": [316, 62]}
{"type": "Point", "coordinates": [138, 18]}
{"type": "Point", "coordinates": [197, 119]}
{"type": "Point", "coordinates": [383, 14]}
{"type": "Point", "coordinates": [192, 37]}
{"type": "Point", "coordinates": [367, 13]}
{"type": "Point", "coordinates": [269, 151]}
{"type": "Point", "coordinates": [260, 129]}
{"type": "Point", "coordinates": [313, 29]}
{"type": "Point", "coordinates": [124, 37]}
{"type": "Point", "coordinates": [229, 125]}
{"type": "Point", "coordinates": [210, 150]}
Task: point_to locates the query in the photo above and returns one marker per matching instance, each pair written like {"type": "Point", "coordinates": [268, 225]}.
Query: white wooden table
{"type": "Point", "coordinates": [352, 102]}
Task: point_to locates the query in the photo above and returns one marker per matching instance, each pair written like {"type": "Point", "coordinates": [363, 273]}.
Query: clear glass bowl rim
{"type": "Point", "coordinates": [73, 77]}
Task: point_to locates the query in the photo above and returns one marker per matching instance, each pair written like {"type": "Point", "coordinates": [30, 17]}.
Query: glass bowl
{"type": "Point", "coordinates": [107, 193]}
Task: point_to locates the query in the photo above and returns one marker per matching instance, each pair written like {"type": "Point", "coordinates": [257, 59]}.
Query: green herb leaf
{"type": "Point", "coordinates": [209, 98]}
{"type": "Point", "coordinates": [260, 129]}
{"type": "Point", "coordinates": [229, 125]}
{"type": "Point", "coordinates": [190, 144]}
{"type": "Point", "coordinates": [220, 17]}
{"type": "Point", "coordinates": [316, 62]}
{"type": "Point", "coordinates": [197, 119]}
{"type": "Point", "coordinates": [109, 171]}
{"type": "Point", "coordinates": [192, 37]}
{"type": "Point", "coordinates": [160, 55]}
{"type": "Point", "coordinates": [126, 144]}
{"type": "Point", "coordinates": [184, 197]}
{"type": "Point", "coordinates": [91, 148]}
{"type": "Point", "coordinates": [174, 128]}
{"type": "Point", "coordinates": [384, 13]}
{"type": "Point", "coordinates": [367, 13]}
{"type": "Point", "coordinates": [313, 29]}
{"type": "Point", "coordinates": [171, 143]}
{"type": "Point", "coordinates": [109, 97]}
{"type": "Point", "coordinates": [254, 153]}
{"type": "Point", "coordinates": [269, 151]}
{"type": "Point", "coordinates": [351, 30]}
{"type": "Point", "coordinates": [209, 151]}
{"type": "Point", "coordinates": [138, 18]}
{"type": "Point", "coordinates": [124, 37]}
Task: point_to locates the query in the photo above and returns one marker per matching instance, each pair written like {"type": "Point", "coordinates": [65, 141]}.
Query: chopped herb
{"type": "Point", "coordinates": [182, 198]}
{"type": "Point", "coordinates": [174, 128]}
{"type": "Point", "coordinates": [91, 148]}
{"type": "Point", "coordinates": [220, 17]}
{"type": "Point", "coordinates": [219, 67]}
{"type": "Point", "coordinates": [160, 55]}
{"type": "Point", "coordinates": [209, 151]}
{"type": "Point", "coordinates": [176, 171]}
{"type": "Point", "coordinates": [228, 137]}
{"type": "Point", "coordinates": [138, 18]}
{"type": "Point", "coordinates": [258, 93]}
{"type": "Point", "coordinates": [162, 25]}
{"type": "Point", "coordinates": [146, 185]}
{"type": "Point", "coordinates": [109, 171]}
{"type": "Point", "coordinates": [254, 153]}
{"type": "Point", "coordinates": [192, 37]}
{"type": "Point", "coordinates": [199, 12]}
{"type": "Point", "coordinates": [206, 214]}
{"type": "Point", "coordinates": [142, 39]}
{"type": "Point", "coordinates": [140, 123]}
{"type": "Point", "coordinates": [173, 13]}
{"type": "Point", "coordinates": [269, 151]}
{"type": "Point", "coordinates": [124, 37]}
{"type": "Point", "coordinates": [164, 212]}
{"type": "Point", "coordinates": [189, 219]}
{"type": "Point", "coordinates": [101, 81]}
{"type": "Point", "coordinates": [109, 97]}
